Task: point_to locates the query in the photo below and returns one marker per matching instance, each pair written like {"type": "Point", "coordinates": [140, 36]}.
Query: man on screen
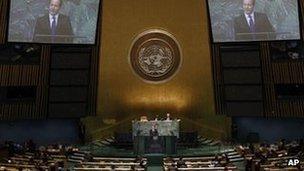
{"type": "Point", "coordinates": [252, 25]}
{"type": "Point", "coordinates": [53, 27]}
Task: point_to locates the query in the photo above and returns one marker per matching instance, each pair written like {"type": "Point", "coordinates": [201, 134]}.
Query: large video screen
{"type": "Point", "coordinates": [53, 21]}
{"type": "Point", "coordinates": [254, 20]}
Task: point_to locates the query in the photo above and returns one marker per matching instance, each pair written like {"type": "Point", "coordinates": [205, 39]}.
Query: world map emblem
{"type": "Point", "coordinates": [155, 55]}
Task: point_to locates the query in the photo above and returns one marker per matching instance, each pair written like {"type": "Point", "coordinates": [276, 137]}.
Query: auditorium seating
{"type": "Point", "coordinates": [123, 140]}
{"type": "Point", "coordinates": [60, 157]}
{"type": "Point", "coordinates": [255, 157]}
{"type": "Point", "coordinates": [198, 163]}
{"type": "Point", "coordinates": [272, 156]}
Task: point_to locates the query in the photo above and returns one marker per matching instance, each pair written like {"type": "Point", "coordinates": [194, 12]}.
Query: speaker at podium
{"type": "Point", "coordinates": [149, 138]}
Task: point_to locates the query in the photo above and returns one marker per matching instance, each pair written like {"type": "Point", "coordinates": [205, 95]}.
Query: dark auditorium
{"type": "Point", "coordinates": [151, 85]}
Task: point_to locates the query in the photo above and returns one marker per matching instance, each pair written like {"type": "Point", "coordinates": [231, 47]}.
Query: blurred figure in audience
{"type": "Point", "coordinates": [53, 167]}
{"type": "Point", "coordinates": [281, 145]}
{"type": "Point", "coordinates": [170, 162]}
{"type": "Point", "coordinates": [251, 148]}
{"type": "Point", "coordinates": [168, 117]}
{"type": "Point", "coordinates": [248, 164]}
{"type": "Point", "coordinates": [81, 132]}
{"type": "Point", "coordinates": [141, 161]}
{"type": "Point", "coordinates": [301, 144]}
{"type": "Point", "coordinates": [225, 158]}
{"type": "Point", "coordinates": [31, 160]}
{"type": "Point", "coordinates": [156, 118]}
{"type": "Point", "coordinates": [31, 146]}
{"type": "Point", "coordinates": [172, 168]}
{"type": "Point", "coordinates": [257, 165]}
{"type": "Point", "coordinates": [44, 157]}
{"type": "Point", "coordinates": [217, 160]}
{"type": "Point", "coordinates": [181, 163]}
{"type": "Point", "coordinates": [9, 145]}
{"type": "Point", "coordinates": [60, 165]}
{"type": "Point", "coordinates": [293, 49]}
{"type": "Point", "coordinates": [89, 157]}
{"type": "Point", "coordinates": [271, 154]}
{"type": "Point", "coordinates": [234, 133]}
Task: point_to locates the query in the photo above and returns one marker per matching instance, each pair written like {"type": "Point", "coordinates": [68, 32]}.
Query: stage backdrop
{"type": "Point", "coordinates": [188, 95]}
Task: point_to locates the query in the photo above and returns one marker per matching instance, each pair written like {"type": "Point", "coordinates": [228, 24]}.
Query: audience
{"type": "Point", "coordinates": [273, 156]}
{"type": "Point", "coordinates": [259, 156]}
{"type": "Point", "coordinates": [28, 156]}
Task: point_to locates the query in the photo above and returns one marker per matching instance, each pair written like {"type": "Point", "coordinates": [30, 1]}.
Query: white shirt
{"type": "Point", "coordinates": [248, 19]}
{"type": "Point", "coordinates": [51, 19]}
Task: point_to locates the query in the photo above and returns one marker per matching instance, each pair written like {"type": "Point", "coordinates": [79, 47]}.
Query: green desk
{"type": "Point", "coordinates": [143, 144]}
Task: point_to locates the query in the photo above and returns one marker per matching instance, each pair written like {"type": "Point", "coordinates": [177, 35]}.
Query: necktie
{"type": "Point", "coordinates": [252, 27]}
{"type": "Point", "coordinates": [251, 24]}
{"type": "Point", "coordinates": [53, 28]}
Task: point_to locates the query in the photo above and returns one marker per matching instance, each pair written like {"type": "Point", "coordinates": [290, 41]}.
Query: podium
{"type": "Point", "coordinates": [46, 38]}
{"type": "Point", "coordinates": [143, 143]}
{"type": "Point", "coordinates": [257, 35]}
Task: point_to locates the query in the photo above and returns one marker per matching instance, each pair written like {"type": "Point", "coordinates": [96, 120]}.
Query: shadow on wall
{"type": "Point", "coordinates": [40, 131]}
{"type": "Point", "coordinates": [269, 130]}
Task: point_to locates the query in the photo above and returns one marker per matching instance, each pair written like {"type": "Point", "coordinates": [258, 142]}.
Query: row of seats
{"type": "Point", "coordinates": [199, 163]}
{"type": "Point", "coordinates": [27, 156]}
{"type": "Point", "coordinates": [273, 156]}
{"type": "Point", "coordinates": [112, 163]}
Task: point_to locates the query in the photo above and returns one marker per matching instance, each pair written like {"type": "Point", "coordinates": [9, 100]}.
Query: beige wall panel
{"type": "Point", "coordinates": [123, 96]}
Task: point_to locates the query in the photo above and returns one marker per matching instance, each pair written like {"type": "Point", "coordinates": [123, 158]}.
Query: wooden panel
{"type": "Point", "coordinates": [71, 60]}
{"type": "Point", "coordinates": [245, 108]}
{"type": "Point", "coordinates": [241, 59]}
{"type": "Point", "coordinates": [242, 76]}
{"type": "Point", "coordinates": [218, 80]}
{"type": "Point", "coordinates": [281, 72]}
{"type": "Point", "coordinates": [92, 92]}
{"type": "Point", "coordinates": [289, 72]}
{"type": "Point", "coordinates": [69, 77]}
{"type": "Point", "coordinates": [243, 92]}
{"type": "Point", "coordinates": [301, 15]}
{"type": "Point", "coordinates": [13, 111]}
{"type": "Point", "coordinates": [67, 110]}
{"type": "Point", "coordinates": [95, 57]}
{"type": "Point", "coordinates": [14, 75]}
{"type": "Point", "coordinates": [27, 75]}
{"type": "Point", "coordinates": [68, 94]}
{"type": "Point", "coordinates": [267, 80]}
{"type": "Point", "coordinates": [3, 20]}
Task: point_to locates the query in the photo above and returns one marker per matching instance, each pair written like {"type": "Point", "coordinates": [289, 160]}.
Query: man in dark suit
{"type": "Point", "coordinates": [53, 27]}
{"type": "Point", "coordinates": [252, 25]}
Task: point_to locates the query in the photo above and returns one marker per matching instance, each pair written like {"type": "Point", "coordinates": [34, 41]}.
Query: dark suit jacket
{"type": "Point", "coordinates": [263, 28]}
{"type": "Point", "coordinates": [63, 28]}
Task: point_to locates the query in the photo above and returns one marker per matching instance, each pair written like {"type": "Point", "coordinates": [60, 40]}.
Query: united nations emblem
{"type": "Point", "coordinates": [155, 55]}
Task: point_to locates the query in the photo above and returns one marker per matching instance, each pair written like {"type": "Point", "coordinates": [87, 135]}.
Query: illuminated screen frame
{"type": "Point", "coordinates": [227, 34]}
{"type": "Point", "coordinates": [41, 6]}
